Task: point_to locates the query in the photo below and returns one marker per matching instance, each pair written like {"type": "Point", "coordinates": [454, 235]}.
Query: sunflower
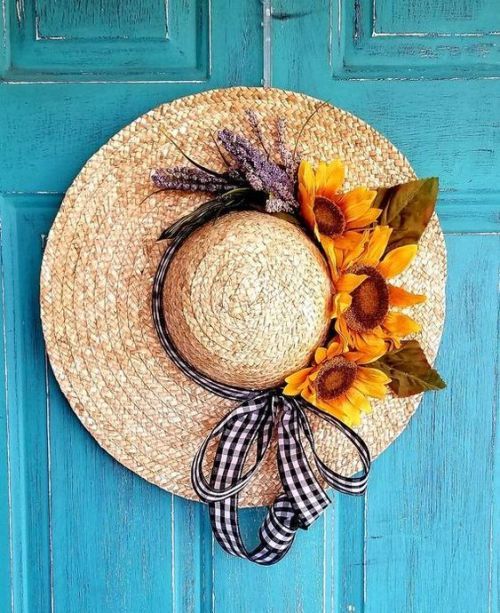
{"type": "Point", "coordinates": [339, 382]}
{"type": "Point", "coordinates": [327, 211]}
{"type": "Point", "coordinates": [364, 297]}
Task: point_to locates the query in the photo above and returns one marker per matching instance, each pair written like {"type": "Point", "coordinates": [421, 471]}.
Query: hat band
{"type": "Point", "coordinates": [251, 425]}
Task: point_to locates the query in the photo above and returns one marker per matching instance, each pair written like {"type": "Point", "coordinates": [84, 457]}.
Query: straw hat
{"type": "Point", "coordinates": [246, 296]}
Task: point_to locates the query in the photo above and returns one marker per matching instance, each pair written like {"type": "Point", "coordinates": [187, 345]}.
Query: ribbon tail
{"type": "Point", "coordinates": [300, 484]}
{"type": "Point", "coordinates": [346, 484]}
{"type": "Point", "coordinates": [249, 424]}
{"type": "Point", "coordinates": [237, 433]}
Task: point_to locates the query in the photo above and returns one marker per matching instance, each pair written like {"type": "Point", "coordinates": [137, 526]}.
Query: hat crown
{"type": "Point", "coordinates": [247, 299]}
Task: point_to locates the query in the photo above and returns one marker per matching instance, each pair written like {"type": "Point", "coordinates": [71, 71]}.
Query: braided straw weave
{"type": "Point", "coordinates": [102, 254]}
{"type": "Point", "coordinates": [248, 299]}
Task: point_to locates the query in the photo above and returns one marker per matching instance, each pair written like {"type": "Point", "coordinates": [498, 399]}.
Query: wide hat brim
{"type": "Point", "coordinates": [102, 254]}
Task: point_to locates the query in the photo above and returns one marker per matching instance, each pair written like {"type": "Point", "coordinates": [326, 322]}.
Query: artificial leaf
{"type": "Point", "coordinates": [409, 370]}
{"type": "Point", "coordinates": [407, 209]}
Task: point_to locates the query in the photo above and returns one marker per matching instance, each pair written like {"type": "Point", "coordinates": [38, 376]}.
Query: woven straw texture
{"type": "Point", "coordinates": [247, 299]}
{"type": "Point", "coordinates": [102, 254]}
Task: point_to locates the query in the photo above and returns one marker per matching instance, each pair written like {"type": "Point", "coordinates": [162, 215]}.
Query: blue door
{"type": "Point", "coordinates": [81, 534]}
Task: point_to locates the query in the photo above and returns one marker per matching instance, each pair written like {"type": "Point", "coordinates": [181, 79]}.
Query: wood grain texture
{"type": "Point", "coordinates": [147, 39]}
{"type": "Point", "coordinates": [429, 516]}
{"type": "Point", "coordinates": [116, 42]}
{"type": "Point", "coordinates": [102, 19]}
{"type": "Point", "coordinates": [78, 532]}
{"type": "Point", "coordinates": [426, 536]}
{"type": "Point", "coordinates": [5, 533]}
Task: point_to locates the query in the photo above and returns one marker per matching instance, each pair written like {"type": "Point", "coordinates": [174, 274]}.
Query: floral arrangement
{"type": "Point", "coordinates": [367, 236]}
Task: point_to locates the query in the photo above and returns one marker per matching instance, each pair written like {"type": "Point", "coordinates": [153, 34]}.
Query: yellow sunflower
{"type": "Point", "coordinates": [339, 382]}
{"type": "Point", "coordinates": [364, 297]}
{"type": "Point", "coordinates": [328, 211]}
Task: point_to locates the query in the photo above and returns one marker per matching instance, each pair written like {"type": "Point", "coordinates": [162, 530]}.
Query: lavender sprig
{"type": "Point", "coordinates": [254, 165]}
{"type": "Point", "coordinates": [276, 205]}
{"type": "Point", "coordinates": [191, 179]}
{"type": "Point", "coordinates": [248, 167]}
{"type": "Point", "coordinates": [255, 124]}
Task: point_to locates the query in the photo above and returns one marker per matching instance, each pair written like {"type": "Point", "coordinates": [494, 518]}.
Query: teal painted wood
{"type": "Point", "coordinates": [80, 533]}
{"type": "Point", "coordinates": [428, 533]}
{"type": "Point", "coordinates": [5, 542]}
{"type": "Point", "coordinates": [425, 538]}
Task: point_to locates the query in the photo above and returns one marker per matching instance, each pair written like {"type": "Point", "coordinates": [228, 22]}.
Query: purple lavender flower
{"type": "Point", "coordinates": [191, 179]}
{"type": "Point", "coordinates": [257, 129]}
{"type": "Point", "coordinates": [249, 167]}
{"type": "Point", "coordinates": [254, 164]}
{"type": "Point", "coordinates": [276, 205]}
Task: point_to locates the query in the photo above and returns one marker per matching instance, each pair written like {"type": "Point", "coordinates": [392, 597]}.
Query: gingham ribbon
{"type": "Point", "coordinates": [250, 427]}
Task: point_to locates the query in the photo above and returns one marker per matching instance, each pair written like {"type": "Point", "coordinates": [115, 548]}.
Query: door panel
{"type": "Point", "coordinates": [80, 533]}
{"type": "Point", "coordinates": [146, 40]}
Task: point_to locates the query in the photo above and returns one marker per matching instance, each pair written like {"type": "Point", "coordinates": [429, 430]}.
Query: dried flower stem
{"type": "Point", "coordinates": [256, 127]}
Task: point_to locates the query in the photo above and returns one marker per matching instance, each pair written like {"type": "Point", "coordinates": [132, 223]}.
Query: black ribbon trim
{"type": "Point", "coordinates": [248, 427]}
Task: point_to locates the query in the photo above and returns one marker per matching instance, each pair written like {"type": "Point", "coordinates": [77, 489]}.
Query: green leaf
{"type": "Point", "coordinates": [409, 370]}
{"type": "Point", "coordinates": [407, 208]}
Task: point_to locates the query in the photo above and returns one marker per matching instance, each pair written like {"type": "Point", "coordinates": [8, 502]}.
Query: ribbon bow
{"type": "Point", "coordinates": [251, 425]}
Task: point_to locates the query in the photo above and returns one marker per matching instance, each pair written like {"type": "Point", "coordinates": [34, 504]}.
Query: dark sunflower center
{"type": "Point", "coordinates": [329, 217]}
{"type": "Point", "coordinates": [370, 301]}
{"type": "Point", "coordinates": [335, 377]}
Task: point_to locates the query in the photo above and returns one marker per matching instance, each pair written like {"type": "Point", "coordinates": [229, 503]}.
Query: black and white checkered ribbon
{"type": "Point", "coordinates": [247, 431]}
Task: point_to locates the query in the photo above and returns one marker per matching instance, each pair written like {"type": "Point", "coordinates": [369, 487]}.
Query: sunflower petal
{"type": "Point", "coordinates": [309, 395]}
{"type": "Point", "coordinates": [347, 248]}
{"type": "Point", "coordinates": [341, 408]}
{"type": "Point", "coordinates": [358, 400]}
{"type": "Point", "coordinates": [319, 354]}
{"type": "Point", "coordinates": [356, 202]}
{"type": "Point", "coordinates": [399, 324]}
{"type": "Point", "coordinates": [371, 389]}
{"type": "Point", "coordinates": [292, 390]}
{"type": "Point", "coordinates": [298, 377]}
{"type": "Point", "coordinates": [399, 297]}
{"type": "Point", "coordinates": [305, 175]}
{"type": "Point", "coordinates": [370, 354]}
{"type": "Point", "coordinates": [352, 255]}
{"type": "Point", "coordinates": [348, 241]}
{"type": "Point", "coordinates": [306, 195]}
{"type": "Point", "coordinates": [314, 375]}
{"type": "Point", "coordinates": [373, 375]}
{"type": "Point", "coordinates": [365, 220]}
{"type": "Point", "coordinates": [336, 347]}
{"type": "Point", "coordinates": [343, 331]}
{"type": "Point", "coordinates": [306, 212]}
{"type": "Point", "coordinates": [341, 302]}
{"type": "Point", "coordinates": [296, 382]}
{"type": "Point", "coordinates": [368, 343]}
{"type": "Point", "coordinates": [397, 260]}
{"type": "Point", "coordinates": [352, 415]}
{"type": "Point", "coordinates": [331, 256]}
{"type": "Point", "coordinates": [377, 244]}
{"type": "Point", "coordinates": [329, 178]}
{"type": "Point", "coordinates": [349, 282]}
